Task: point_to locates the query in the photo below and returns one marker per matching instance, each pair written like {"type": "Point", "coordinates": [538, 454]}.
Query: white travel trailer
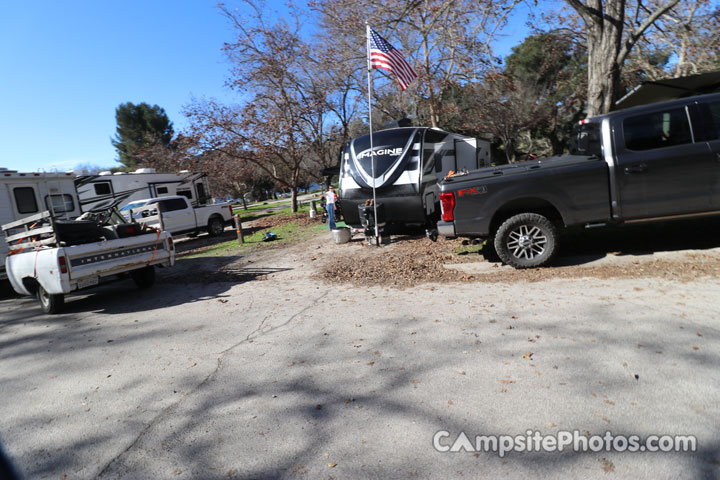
{"type": "Point", "coordinates": [404, 166]}
{"type": "Point", "coordinates": [105, 188]}
{"type": "Point", "coordinates": [26, 194]}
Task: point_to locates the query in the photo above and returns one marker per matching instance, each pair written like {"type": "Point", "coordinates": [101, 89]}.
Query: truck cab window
{"type": "Point", "coordinates": [714, 123]}
{"type": "Point", "coordinates": [25, 199]}
{"type": "Point", "coordinates": [102, 188]}
{"type": "Point", "coordinates": [172, 204]}
{"type": "Point", "coordinates": [657, 130]}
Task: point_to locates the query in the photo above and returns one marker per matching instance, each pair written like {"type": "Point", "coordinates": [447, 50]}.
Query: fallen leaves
{"type": "Point", "coordinates": [527, 355]}
{"type": "Point", "coordinates": [607, 465]}
{"type": "Point", "coordinates": [413, 260]}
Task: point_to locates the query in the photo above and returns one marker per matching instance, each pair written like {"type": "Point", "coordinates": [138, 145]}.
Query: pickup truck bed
{"type": "Point", "coordinates": [575, 185]}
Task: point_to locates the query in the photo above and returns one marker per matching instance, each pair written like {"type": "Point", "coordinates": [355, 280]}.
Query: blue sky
{"type": "Point", "coordinates": [65, 67]}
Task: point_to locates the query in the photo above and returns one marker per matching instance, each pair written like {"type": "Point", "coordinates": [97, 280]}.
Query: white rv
{"type": "Point", "coordinates": [26, 194]}
{"type": "Point", "coordinates": [97, 191]}
{"type": "Point", "coordinates": [404, 166]}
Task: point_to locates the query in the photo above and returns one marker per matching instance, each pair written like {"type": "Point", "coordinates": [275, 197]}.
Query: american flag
{"type": "Point", "coordinates": [385, 56]}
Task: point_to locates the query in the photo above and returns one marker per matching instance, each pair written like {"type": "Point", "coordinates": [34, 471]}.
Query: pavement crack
{"type": "Point", "coordinates": [164, 413]}
{"type": "Point", "coordinates": [260, 329]}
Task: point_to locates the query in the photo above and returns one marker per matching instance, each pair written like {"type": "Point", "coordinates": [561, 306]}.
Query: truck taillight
{"type": "Point", "coordinates": [231, 210]}
{"type": "Point", "coordinates": [171, 245]}
{"type": "Point", "coordinates": [447, 202]}
{"type": "Point", "coordinates": [63, 264]}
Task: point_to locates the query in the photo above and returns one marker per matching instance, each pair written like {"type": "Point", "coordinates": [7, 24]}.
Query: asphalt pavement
{"type": "Point", "coordinates": [279, 375]}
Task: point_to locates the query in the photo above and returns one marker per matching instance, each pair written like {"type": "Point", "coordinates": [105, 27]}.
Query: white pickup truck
{"type": "Point", "coordinates": [178, 215]}
{"type": "Point", "coordinates": [50, 257]}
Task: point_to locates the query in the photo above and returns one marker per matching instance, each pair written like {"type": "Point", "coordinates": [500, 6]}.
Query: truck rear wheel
{"type": "Point", "coordinates": [215, 227]}
{"type": "Point", "coordinates": [527, 240]}
{"type": "Point", "coordinates": [144, 277]}
{"type": "Point", "coordinates": [50, 303]}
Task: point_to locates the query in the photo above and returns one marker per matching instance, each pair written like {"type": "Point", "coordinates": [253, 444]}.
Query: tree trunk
{"type": "Point", "coordinates": [603, 40]}
{"type": "Point", "coordinates": [607, 50]}
{"type": "Point", "coordinates": [293, 201]}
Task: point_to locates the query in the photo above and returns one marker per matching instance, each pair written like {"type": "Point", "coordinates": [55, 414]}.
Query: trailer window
{"type": "Point", "coordinates": [185, 193]}
{"type": "Point", "coordinates": [25, 199]}
{"type": "Point", "coordinates": [102, 188]}
{"type": "Point", "coordinates": [60, 203]}
{"type": "Point", "coordinates": [162, 190]}
{"type": "Point", "coordinates": [657, 130]}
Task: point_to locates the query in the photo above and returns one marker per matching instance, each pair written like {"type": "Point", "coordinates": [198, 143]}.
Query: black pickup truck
{"type": "Point", "coordinates": [652, 162]}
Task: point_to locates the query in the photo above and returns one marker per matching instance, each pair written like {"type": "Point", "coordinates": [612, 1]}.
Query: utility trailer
{"type": "Point", "coordinates": [24, 194]}
{"type": "Point", "coordinates": [50, 257]}
{"type": "Point", "coordinates": [408, 163]}
{"type": "Point", "coordinates": [106, 188]}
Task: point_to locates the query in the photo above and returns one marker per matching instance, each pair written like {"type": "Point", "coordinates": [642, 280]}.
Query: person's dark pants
{"type": "Point", "coordinates": [330, 207]}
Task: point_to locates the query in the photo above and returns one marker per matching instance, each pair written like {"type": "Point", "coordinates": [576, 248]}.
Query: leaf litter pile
{"type": "Point", "coordinates": [409, 261]}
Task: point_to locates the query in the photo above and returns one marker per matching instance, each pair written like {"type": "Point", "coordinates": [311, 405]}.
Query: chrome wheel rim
{"type": "Point", "coordinates": [44, 297]}
{"type": "Point", "coordinates": [527, 241]}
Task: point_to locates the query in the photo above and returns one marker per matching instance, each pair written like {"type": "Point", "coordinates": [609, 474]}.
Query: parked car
{"type": "Point", "coordinates": [178, 215]}
{"type": "Point", "coordinates": [653, 162]}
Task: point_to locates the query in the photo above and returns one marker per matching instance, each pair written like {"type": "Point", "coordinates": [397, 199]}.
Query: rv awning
{"type": "Point", "coordinates": [661, 90]}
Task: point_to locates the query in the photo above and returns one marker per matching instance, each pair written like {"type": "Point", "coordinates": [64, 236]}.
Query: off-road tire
{"type": "Point", "coordinates": [527, 240]}
{"type": "Point", "coordinates": [215, 227]}
{"type": "Point", "coordinates": [144, 277]}
{"type": "Point", "coordinates": [50, 303]}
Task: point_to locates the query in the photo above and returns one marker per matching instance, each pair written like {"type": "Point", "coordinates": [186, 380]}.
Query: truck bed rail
{"type": "Point", "coordinates": [30, 232]}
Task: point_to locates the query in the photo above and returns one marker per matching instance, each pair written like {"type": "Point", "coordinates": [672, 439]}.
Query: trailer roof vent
{"type": "Point", "coordinates": [105, 172]}
{"type": "Point", "coordinates": [145, 170]}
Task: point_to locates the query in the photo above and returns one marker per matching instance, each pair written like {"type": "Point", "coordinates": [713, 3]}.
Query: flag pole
{"type": "Point", "coordinates": [372, 153]}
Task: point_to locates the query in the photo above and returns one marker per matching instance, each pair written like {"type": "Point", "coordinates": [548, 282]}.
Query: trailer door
{"type": "Point", "coordinates": [465, 154]}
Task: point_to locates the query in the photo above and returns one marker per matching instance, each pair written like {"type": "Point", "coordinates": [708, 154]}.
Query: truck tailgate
{"type": "Point", "coordinates": [116, 256]}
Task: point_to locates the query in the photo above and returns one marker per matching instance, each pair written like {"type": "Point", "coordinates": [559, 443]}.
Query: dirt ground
{"type": "Point", "coordinates": [681, 251]}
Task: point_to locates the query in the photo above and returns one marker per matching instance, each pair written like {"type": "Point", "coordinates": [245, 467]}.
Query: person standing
{"type": "Point", "coordinates": [330, 197]}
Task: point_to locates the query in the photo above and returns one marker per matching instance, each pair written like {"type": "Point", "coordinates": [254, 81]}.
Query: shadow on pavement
{"type": "Point", "coordinates": [580, 246]}
{"type": "Point", "coordinates": [190, 280]}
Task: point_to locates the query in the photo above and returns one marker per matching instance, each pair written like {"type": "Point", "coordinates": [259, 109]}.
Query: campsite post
{"type": "Point", "coordinates": [238, 230]}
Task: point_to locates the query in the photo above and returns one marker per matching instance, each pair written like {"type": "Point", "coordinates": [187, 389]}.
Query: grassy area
{"type": "Point", "coordinates": [286, 234]}
{"type": "Point", "coordinates": [468, 249]}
